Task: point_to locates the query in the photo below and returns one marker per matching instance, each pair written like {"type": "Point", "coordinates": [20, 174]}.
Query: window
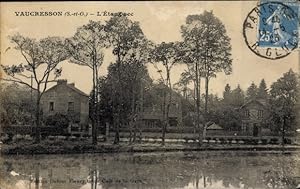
{"type": "Point", "coordinates": [244, 127]}
{"type": "Point", "coordinates": [175, 105]}
{"type": "Point", "coordinates": [247, 113]}
{"type": "Point", "coordinates": [51, 106]}
{"type": "Point", "coordinates": [70, 106]}
{"type": "Point", "coordinates": [260, 113]}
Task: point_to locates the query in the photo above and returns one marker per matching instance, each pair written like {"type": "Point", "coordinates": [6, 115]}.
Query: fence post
{"type": "Point", "coordinates": [106, 131]}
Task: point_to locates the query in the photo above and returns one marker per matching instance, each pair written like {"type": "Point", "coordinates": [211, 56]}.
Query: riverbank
{"type": "Point", "coordinates": [82, 147]}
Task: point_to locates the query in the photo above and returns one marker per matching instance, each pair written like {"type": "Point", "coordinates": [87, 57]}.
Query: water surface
{"type": "Point", "coordinates": [189, 170]}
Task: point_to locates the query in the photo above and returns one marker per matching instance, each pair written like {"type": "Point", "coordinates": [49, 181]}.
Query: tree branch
{"type": "Point", "coordinates": [16, 80]}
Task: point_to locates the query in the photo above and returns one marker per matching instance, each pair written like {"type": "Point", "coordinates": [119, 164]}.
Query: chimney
{"type": "Point", "coordinates": [61, 82]}
{"type": "Point", "coordinates": [72, 84]}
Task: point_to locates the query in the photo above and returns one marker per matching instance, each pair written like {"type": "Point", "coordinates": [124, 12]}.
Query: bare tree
{"type": "Point", "coordinates": [41, 60]}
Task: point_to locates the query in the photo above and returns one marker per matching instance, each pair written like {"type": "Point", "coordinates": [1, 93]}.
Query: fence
{"type": "Point", "coordinates": [29, 130]}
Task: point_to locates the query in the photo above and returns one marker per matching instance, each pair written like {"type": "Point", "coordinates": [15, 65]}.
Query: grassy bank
{"type": "Point", "coordinates": [71, 147]}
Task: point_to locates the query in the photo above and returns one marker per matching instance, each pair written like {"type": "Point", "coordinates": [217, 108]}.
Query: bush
{"type": "Point", "coordinates": [58, 120]}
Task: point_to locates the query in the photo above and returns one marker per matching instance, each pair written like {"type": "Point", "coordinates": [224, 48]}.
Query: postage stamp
{"type": "Point", "coordinates": [271, 29]}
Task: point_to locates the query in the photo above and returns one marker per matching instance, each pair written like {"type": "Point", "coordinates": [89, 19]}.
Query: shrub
{"type": "Point", "coordinates": [57, 120]}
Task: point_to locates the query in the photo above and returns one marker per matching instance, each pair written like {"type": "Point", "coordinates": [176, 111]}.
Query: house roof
{"type": "Point", "coordinates": [70, 86]}
{"type": "Point", "coordinates": [77, 90]}
{"type": "Point", "coordinates": [214, 127]}
{"type": "Point", "coordinates": [253, 101]}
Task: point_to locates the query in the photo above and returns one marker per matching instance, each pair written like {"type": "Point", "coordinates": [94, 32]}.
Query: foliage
{"type": "Point", "coordinates": [131, 85]}
{"type": "Point", "coordinates": [207, 46]}
{"type": "Point", "coordinates": [44, 54]}
{"type": "Point", "coordinates": [128, 89]}
{"type": "Point", "coordinates": [282, 102]}
{"type": "Point", "coordinates": [41, 66]}
{"type": "Point", "coordinates": [16, 104]}
{"type": "Point", "coordinates": [86, 46]}
{"type": "Point", "coordinates": [230, 118]}
{"type": "Point", "coordinates": [227, 93]}
{"type": "Point", "coordinates": [284, 98]}
{"type": "Point", "coordinates": [124, 36]}
{"type": "Point", "coordinates": [129, 45]}
{"type": "Point", "coordinates": [226, 111]}
{"type": "Point", "coordinates": [168, 54]}
{"type": "Point", "coordinates": [86, 49]}
{"type": "Point", "coordinates": [252, 91]}
{"type": "Point", "coordinates": [262, 92]}
{"type": "Point", "coordinates": [57, 120]}
{"type": "Point", "coordinates": [238, 97]}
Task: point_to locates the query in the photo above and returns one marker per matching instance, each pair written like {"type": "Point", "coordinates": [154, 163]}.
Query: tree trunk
{"type": "Point", "coordinates": [134, 133]}
{"type": "Point", "coordinates": [117, 130]}
{"type": "Point", "coordinates": [132, 119]}
{"type": "Point", "coordinates": [38, 118]}
{"type": "Point", "coordinates": [164, 119]}
{"type": "Point", "coordinates": [206, 95]}
{"type": "Point", "coordinates": [166, 123]}
{"type": "Point", "coordinates": [185, 92]}
{"type": "Point", "coordinates": [120, 100]}
{"type": "Point", "coordinates": [37, 176]}
{"type": "Point", "coordinates": [96, 104]}
{"type": "Point", "coordinates": [94, 117]}
{"type": "Point", "coordinates": [206, 103]}
{"type": "Point", "coordinates": [198, 103]}
{"type": "Point", "coordinates": [283, 131]}
{"type": "Point", "coordinates": [141, 111]}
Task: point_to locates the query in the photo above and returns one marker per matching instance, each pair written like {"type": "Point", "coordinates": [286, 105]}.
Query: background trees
{"type": "Point", "coordinates": [227, 94]}
{"type": "Point", "coordinates": [205, 35]}
{"type": "Point", "coordinates": [182, 85]}
{"type": "Point", "coordinates": [225, 111]}
{"type": "Point", "coordinates": [228, 112]}
{"type": "Point", "coordinates": [207, 46]}
{"type": "Point", "coordinates": [262, 92]}
{"type": "Point", "coordinates": [281, 101]}
{"type": "Point", "coordinates": [16, 104]}
{"type": "Point", "coordinates": [134, 79]}
{"type": "Point", "coordinates": [238, 97]}
{"type": "Point", "coordinates": [284, 99]}
{"type": "Point", "coordinates": [120, 97]}
{"type": "Point", "coordinates": [252, 91]}
{"type": "Point", "coordinates": [41, 67]}
{"type": "Point", "coordinates": [125, 37]}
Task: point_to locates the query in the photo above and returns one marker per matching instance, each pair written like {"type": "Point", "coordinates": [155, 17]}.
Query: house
{"type": "Point", "coordinates": [255, 113]}
{"type": "Point", "coordinates": [152, 115]}
{"type": "Point", "coordinates": [66, 99]}
{"type": "Point", "coordinates": [212, 128]}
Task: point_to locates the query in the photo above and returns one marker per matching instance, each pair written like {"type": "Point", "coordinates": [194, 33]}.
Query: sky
{"type": "Point", "coordinates": [160, 22]}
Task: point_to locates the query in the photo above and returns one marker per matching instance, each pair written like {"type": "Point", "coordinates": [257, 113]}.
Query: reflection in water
{"type": "Point", "coordinates": [158, 170]}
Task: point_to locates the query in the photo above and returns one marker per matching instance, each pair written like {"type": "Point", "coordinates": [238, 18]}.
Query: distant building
{"type": "Point", "coordinates": [255, 114]}
{"type": "Point", "coordinates": [212, 128]}
{"type": "Point", "coordinates": [66, 99]}
{"type": "Point", "coordinates": [152, 116]}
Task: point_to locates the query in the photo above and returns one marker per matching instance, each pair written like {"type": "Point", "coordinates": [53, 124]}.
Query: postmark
{"type": "Point", "coordinates": [271, 30]}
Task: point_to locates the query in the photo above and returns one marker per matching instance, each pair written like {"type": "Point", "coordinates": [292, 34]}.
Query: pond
{"type": "Point", "coordinates": [188, 170]}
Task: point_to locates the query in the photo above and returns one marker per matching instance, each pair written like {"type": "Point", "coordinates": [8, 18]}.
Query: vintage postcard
{"type": "Point", "coordinates": [150, 94]}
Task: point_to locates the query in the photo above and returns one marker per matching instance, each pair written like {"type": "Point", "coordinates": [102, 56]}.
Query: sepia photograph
{"type": "Point", "coordinates": [150, 94]}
